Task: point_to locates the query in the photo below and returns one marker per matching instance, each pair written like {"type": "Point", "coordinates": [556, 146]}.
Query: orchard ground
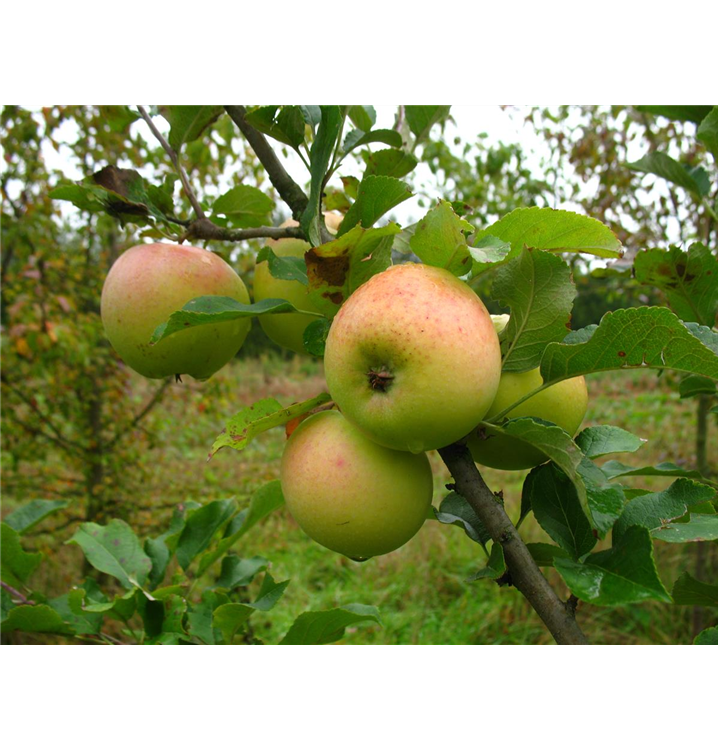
{"type": "Point", "coordinates": [421, 589]}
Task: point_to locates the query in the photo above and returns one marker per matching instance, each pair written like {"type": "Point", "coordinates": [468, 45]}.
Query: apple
{"type": "Point", "coordinates": [348, 493]}
{"type": "Point", "coordinates": [287, 329]}
{"type": "Point", "coordinates": [146, 285]}
{"type": "Point", "coordinates": [564, 404]}
{"type": "Point", "coordinates": [412, 358]}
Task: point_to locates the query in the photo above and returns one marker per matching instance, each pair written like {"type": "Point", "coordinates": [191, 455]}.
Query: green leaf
{"type": "Point", "coordinates": [421, 119]}
{"type": "Point", "coordinates": [692, 592]}
{"type": "Point", "coordinates": [624, 574]}
{"type": "Point", "coordinates": [237, 571]}
{"type": "Point", "coordinates": [707, 132]}
{"type": "Point", "coordinates": [188, 122]}
{"type": "Point", "coordinates": [696, 385]}
{"type": "Point", "coordinates": [285, 126]}
{"type": "Point", "coordinates": [6, 604]}
{"type": "Point", "coordinates": [553, 230]}
{"type": "Point", "coordinates": [199, 619]}
{"type": "Point", "coordinates": [689, 280]}
{"type": "Point", "coordinates": [633, 338]}
{"type": "Point", "coordinates": [251, 421]}
{"type": "Point", "coordinates": [656, 509]}
{"type": "Point", "coordinates": [212, 309]}
{"type": "Point", "coordinates": [159, 549]}
{"type": "Point", "coordinates": [312, 114]}
{"type": "Point", "coordinates": [440, 240]}
{"type": "Point", "coordinates": [287, 268]}
{"type": "Point", "coordinates": [319, 158]}
{"type": "Point", "coordinates": [390, 162]}
{"type": "Point", "coordinates": [557, 509]}
{"type": "Point", "coordinates": [201, 525]}
{"type": "Point", "coordinates": [40, 618]}
{"type": "Point", "coordinates": [376, 196]}
{"type": "Point", "coordinates": [360, 137]}
{"type": "Point", "coordinates": [700, 527]}
{"type": "Point", "coordinates": [486, 251]}
{"type": "Point", "coordinates": [662, 165]}
{"type": "Point", "coordinates": [614, 469]}
{"type": "Point", "coordinates": [269, 594]}
{"type": "Point", "coordinates": [545, 554]}
{"type": "Point", "coordinates": [264, 501]}
{"type": "Point", "coordinates": [17, 565]}
{"type": "Point", "coordinates": [495, 567]}
{"type": "Point", "coordinates": [30, 514]}
{"type": "Point", "coordinates": [538, 288]}
{"type": "Point", "coordinates": [604, 439]}
{"type": "Point", "coordinates": [363, 116]}
{"type": "Point", "coordinates": [606, 500]}
{"type": "Point", "coordinates": [682, 112]}
{"type": "Point", "coordinates": [328, 626]}
{"type": "Point", "coordinates": [707, 637]}
{"type": "Point", "coordinates": [315, 336]}
{"type": "Point", "coordinates": [455, 510]}
{"type": "Point", "coordinates": [337, 268]}
{"type": "Point", "coordinates": [229, 618]}
{"type": "Point", "coordinates": [69, 607]}
{"type": "Point", "coordinates": [244, 206]}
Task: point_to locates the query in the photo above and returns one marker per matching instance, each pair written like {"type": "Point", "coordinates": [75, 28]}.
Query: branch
{"type": "Point", "coordinates": [156, 397]}
{"type": "Point", "coordinates": [525, 574]}
{"type": "Point", "coordinates": [175, 161]}
{"type": "Point", "coordinates": [288, 190]}
{"type": "Point", "coordinates": [204, 229]}
{"type": "Point", "coordinates": [16, 593]}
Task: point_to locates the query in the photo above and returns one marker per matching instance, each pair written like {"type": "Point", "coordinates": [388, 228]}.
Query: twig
{"type": "Point", "coordinates": [525, 574]}
{"type": "Point", "coordinates": [175, 161]}
{"type": "Point", "coordinates": [289, 191]}
{"type": "Point", "coordinates": [16, 593]}
{"type": "Point", "coordinates": [156, 397]}
{"type": "Point", "coordinates": [204, 229]}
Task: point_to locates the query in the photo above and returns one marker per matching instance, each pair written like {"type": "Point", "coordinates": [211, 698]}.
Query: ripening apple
{"type": "Point", "coordinates": [146, 285]}
{"type": "Point", "coordinates": [287, 329]}
{"type": "Point", "coordinates": [412, 358]}
{"type": "Point", "coordinates": [348, 493]}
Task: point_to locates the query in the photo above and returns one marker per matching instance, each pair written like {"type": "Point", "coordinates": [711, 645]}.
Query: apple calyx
{"type": "Point", "coordinates": [381, 380]}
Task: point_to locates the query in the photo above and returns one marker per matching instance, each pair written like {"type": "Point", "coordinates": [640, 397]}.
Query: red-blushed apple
{"type": "Point", "coordinates": [146, 285]}
{"type": "Point", "coordinates": [348, 493]}
{"type": "Point", "coordinates": [564, 404]}
{"type": "Point", "coordinates": [287, 329]}
{"type": "Point", "coordinates": [412, 358]}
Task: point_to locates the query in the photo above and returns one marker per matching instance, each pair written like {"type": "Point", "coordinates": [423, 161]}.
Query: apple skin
{"type": "Point", "coordinates": [287, 329]}
{"type": "Point", "coordinates": [348, 493]}
{"type": "Point", "coordinates": [564, 404]}
{"type": "Point", "coordinates": [412, 358]}
{"type": "Point", "coordinates": [146, 285]}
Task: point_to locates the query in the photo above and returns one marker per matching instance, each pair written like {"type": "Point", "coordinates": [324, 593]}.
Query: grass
{"type": "Point", "coordinates": [421, 589]}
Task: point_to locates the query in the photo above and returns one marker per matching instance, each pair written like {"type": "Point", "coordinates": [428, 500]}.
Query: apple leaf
{"type": "Point", "coordinates": [707, 132]}
{"type": "Point", "coordinates": [188, 122]}
{"type": "Point", "coordinates": [624, 574]}
{"type": "Point", "coordinates": [264, 501]}
{"type": "Point", "coordinates": [495, 566]}
{"type": "Point", "coordinates": [486, 251]}
{"type": "Point", "coordinates": [30, 514]}
{"type": "Point", "coordinates": [689, 280]}
{"type": "Point", "coordinates": [327, 626]}
{"type": "Point", "coordinates": [614, 469]}
{"type": "Point", "coordinates": [422, 118]}
{"type": "Point", "coordinates": [391, 162]}
{"type": "Point", "coordinates": [655, 509]}
{"type": "Point", "coordinates": [200, 527]}
{"type": "Point", "coordinates": [69, 607]}
{"type": "Point", "coordinates": [601, 440]}
{"type": "Point", "coordinates": [455, 510]}
{"type": "Point", "coordinates": [538, 288]}
{"type": "Point", "coordinates": [41, 618]}
{"type": "Point", "coordinates": [377, 194]}
{"type": "Point", "coordinates": [237, 571]}
{"type": "Point", "coordinates": [285, 126]}
{"type": "Point", "coordinates": [696, 385]}
{"type": "Point", "coordinates": [700, 527]}
{"type": "Point", "coordinates": [556, 507]}
{"type": "Point", "coordinates": [363, 116]}
{"type": "Point", "coordinates": [17, 565]}
{"type": "Point", "coordinates": [691, 592]}
{"type": "Point", "coordinates": [545, 554]}
{"type": "Point", "coordinates": [681, 112]}
{"type": "Point", "coordinates": [158, 549]}
{"type": "Point", "coordinates": [199, 618]}
{"type": "Point", "coordinates": [213, 309]}
{"type": "Point", "coordinates": [315, 336]}
{"type": "Point", "coordinates": [440, 239]}
{"type": "Point", "coordinates": [359, 137]}
{"type": "Point", "coordinates": [250, 421]}
{"type": "Point", "coordinates": [286, 268]}
{"type": "Point", "coordinates": [244, 206]}
{"type": "Point", "coordinates": [337, 268]}
{"type": "Point", "coordinates": [707, 637]}
{"type": "Point", "coordinates": [662, 165]}
{"type": "Point", "coordinates": [114, 549]}
{"type": "Point", "coordinates": [605, 499]}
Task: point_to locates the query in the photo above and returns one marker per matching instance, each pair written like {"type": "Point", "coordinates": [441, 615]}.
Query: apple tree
{"type": "Point", "coordinates": [413, 363]}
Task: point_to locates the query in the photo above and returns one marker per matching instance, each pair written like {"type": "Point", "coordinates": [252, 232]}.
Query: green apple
{"type": "Point", "coordinates": [146, 285]}
{"type": "Point", "coordinates": [348, 493]}
{"type": "Point", "coordinates": [412, 358]}
{"type": "Point", "coordinates": [564, 404]}
{"type": "Point", "coordinates": [287, 329]}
